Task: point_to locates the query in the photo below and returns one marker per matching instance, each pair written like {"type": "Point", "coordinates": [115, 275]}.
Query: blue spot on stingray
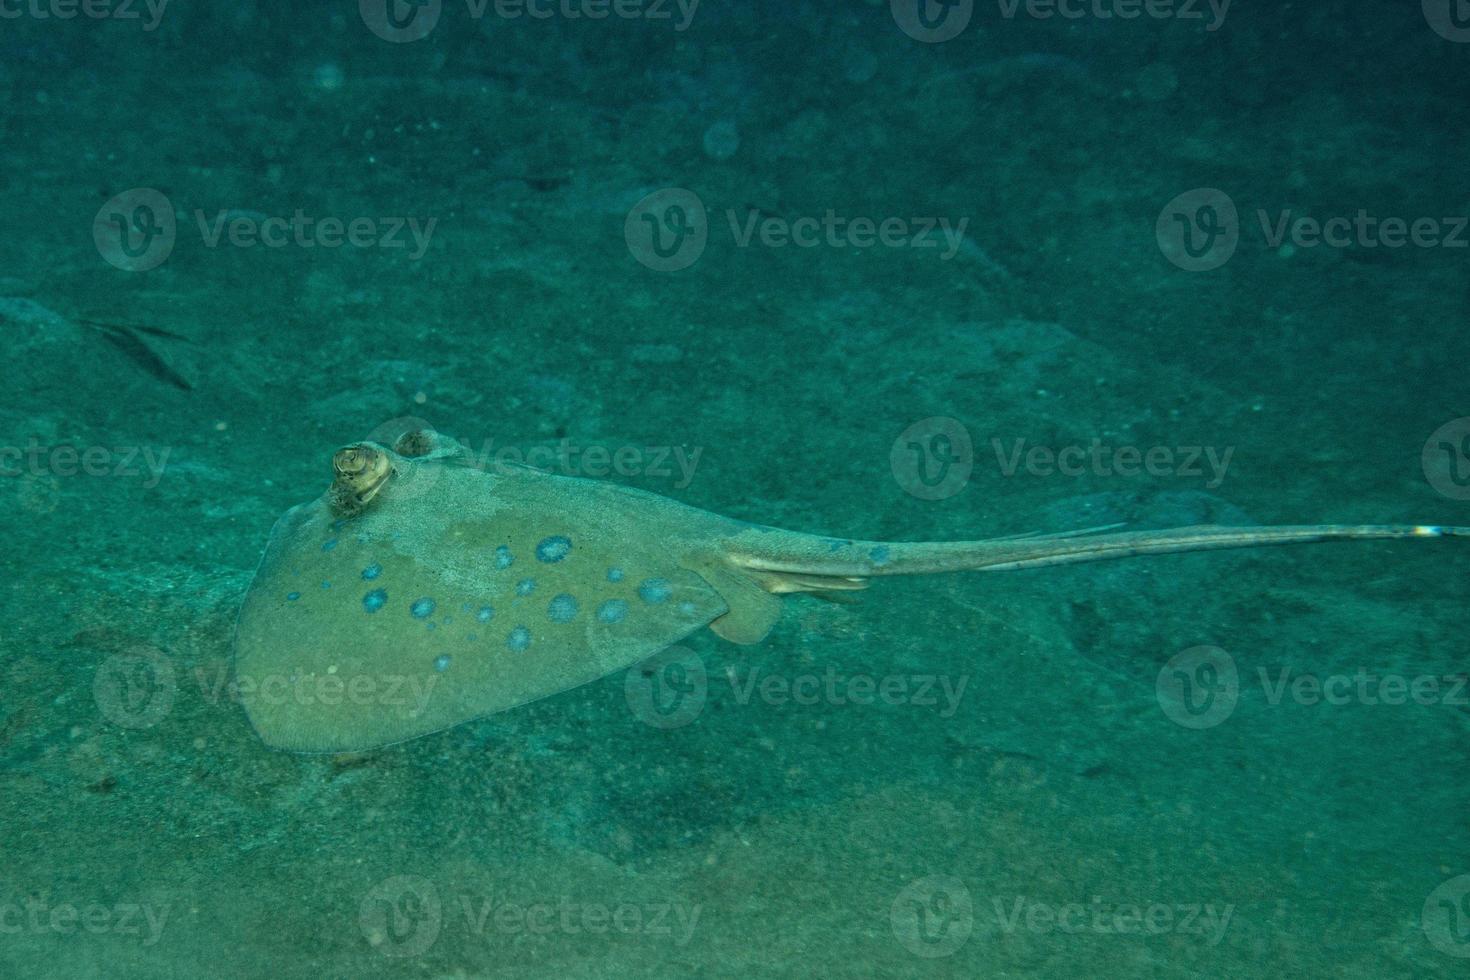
{"type": "Point", "coordinates": [339, 524]}
{"type": "Point", "coordinates": [329, 544]}
{"type": "Point", "coordinates": [879, 555]}
{"type": "Point", "coordinates": [293, 596]}
{"type": "Point", "coordinates": [422, 608]}
{"type": "Point", "coordinates": [375, 600]}
{"type": "Point", "coordinates": [612, 611]}
{"type": "Point", "coordinates": [447, 621]}
{"type": "Point", "coordinates": [554, 548]}
{"type": "Point", "coordinates": [364, 538]}
{"type": "Point", "coordinates": [837, 544]}
{"type": "Point", "coordinates": [441, 662]}
{"type": "Point", "coordinates": [686, 608]}
{"type": "Point", "coordinates": [519, 639]}
{"type": "Point", "coordinates": [484, 614]}
{"type": "Point", "coordinates": [326, 584]}
{"type": "Point", "coordinates": [525, 586]}
{"type": "Point", "coordinates": [562, 608]}
{"type": "Point", "coordinates": [615, 574]}
{"type": "Point", "coordinates": [372, 571]}
{"type": "Point", "coordinates": [654, 590]}
{"type": "Point", "coordinates": [469, 638]}
{"type": "Point", "coordinates": [503, 557]}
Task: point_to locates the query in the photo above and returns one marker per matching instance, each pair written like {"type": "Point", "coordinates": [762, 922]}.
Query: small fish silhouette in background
{"type": "Point", "coordinates": [125, 338]}
{"type": "Point", "coordinates": [27, 314]}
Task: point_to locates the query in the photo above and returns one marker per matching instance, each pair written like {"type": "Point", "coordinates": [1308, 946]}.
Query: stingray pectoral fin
{"type": "Point", "coordinates": [441, 602]}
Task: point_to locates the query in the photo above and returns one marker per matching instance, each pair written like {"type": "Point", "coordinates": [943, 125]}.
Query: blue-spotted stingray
{"type": "Point", "coordinates": [420, 591]}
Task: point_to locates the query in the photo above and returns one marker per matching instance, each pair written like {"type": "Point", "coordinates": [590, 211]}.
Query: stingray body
{"type": "Point", "coordinates": [419, 591]}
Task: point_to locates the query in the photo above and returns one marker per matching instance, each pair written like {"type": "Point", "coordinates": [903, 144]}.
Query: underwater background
{"type": "Point", "coordinates": [902, 271]}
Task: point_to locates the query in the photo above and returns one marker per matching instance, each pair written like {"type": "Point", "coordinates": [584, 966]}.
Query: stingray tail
{"type": "Point", "coordinates": [783, 561]}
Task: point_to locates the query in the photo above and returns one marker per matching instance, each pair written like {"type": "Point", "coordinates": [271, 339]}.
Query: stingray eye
{"type": "Point", "coordinates": [415, 443]}
{"type": "Point", "coordinates": [350, 462]}
{"type": "Point", "coordinates": [360, 472]}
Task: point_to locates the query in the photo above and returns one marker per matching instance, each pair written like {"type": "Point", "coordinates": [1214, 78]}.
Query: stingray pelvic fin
{"type": "Point", "coordinates": [753, 611]}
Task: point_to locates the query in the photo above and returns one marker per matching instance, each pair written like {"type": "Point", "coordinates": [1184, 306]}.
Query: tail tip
{"type": "Point", "coordinates": [1440, 531]}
